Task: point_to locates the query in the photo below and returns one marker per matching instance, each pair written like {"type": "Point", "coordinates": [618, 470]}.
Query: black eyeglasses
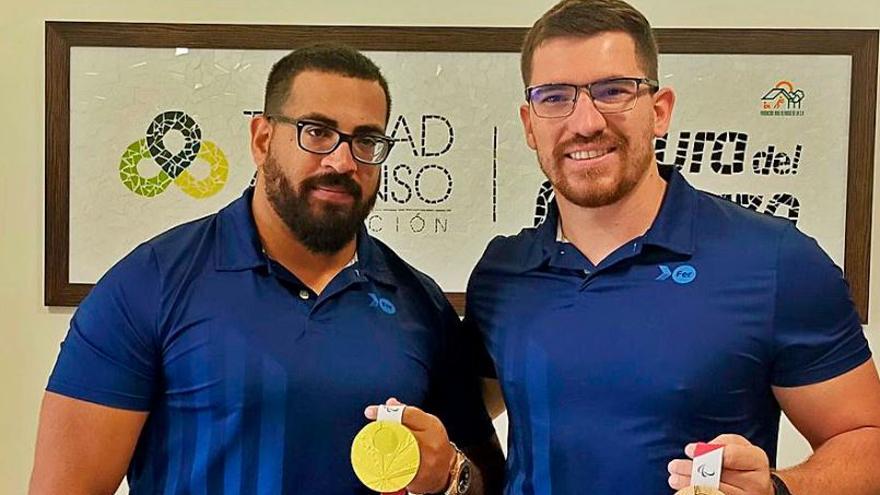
{"type": "Point", "coordinates": [321, 139]}
{"type": "Point", "coordinates": [609, 96]}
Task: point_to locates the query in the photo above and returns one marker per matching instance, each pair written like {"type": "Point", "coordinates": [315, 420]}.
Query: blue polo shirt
{"type": "Point", "coordinates": [609, 370]}
{"type": "Point", "coordinates": [254, 384]}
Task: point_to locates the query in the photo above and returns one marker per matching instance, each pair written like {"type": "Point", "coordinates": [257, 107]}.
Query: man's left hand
{"type": "Point", "coordinates": [745, 468]}
{"type": "Point", "coordinates": [436, 453]}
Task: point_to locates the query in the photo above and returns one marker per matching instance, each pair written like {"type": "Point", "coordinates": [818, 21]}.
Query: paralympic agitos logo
{"type": "Point", "coordinates": [173, 166]}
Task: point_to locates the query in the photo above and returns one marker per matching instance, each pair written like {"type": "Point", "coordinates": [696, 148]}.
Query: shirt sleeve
{"type": "Point", "coordinates": [109, 355]}
{"type": "Point", "coordinates": [483, 364]}
{"type": "Point", "coordinates": [817, 330]}
{"type": "Point", "coordinates": [457, 397]}
{"type": "Point", "coordinates": [477, 311]}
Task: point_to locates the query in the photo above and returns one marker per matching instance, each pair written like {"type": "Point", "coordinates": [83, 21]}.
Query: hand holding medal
{"type": "Point", "coordinates": [705, 470]}
{"type": "Point", "coordinates": [728, 465]}
{"type": "Point", "coordinates": [404, 448]}
{"type": "Point", "coordinates": [385, 455]}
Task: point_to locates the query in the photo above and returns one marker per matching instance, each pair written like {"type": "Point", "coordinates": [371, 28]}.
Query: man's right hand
{"type": "Point", "coordinates": [437, 456]}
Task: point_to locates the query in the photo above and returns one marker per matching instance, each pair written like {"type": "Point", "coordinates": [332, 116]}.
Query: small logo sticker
{"type": "Point", "coordinates": [783, 100]}
{"type": "Point", "coordinates": [665, 272]}
{"type": "Point", "coordinates": [705, 471]}
{"type": "Point", "coordinates": [682, 275]}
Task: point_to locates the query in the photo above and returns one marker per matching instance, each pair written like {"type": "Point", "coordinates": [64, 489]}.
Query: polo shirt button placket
{"type": "Point", "coordinates": [588, 277]}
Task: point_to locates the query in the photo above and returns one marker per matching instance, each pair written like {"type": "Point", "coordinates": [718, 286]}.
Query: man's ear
{"type": "Point", "coordinates": [261, 134]}
{"type": "Point", "coordinates": [664, 101]}
{"type": "Point", "coordinates": [526, 117]}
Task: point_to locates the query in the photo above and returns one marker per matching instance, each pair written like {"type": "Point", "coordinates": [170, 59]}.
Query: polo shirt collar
{"type": "Point", "coordinates": [673, 229]}
{"type": "Point", "coordinates": [372, 260]}
{"type": "Point", "coordinates": [238, 245]}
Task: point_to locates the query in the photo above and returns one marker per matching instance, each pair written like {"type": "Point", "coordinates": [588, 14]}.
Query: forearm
{"type": "Point", "coordinates": [45, 486]}
{"type": "Point", "coordinates": [846, 463]}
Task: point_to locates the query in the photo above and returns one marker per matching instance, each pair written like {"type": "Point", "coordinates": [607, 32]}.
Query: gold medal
{"type": "Point", "coordinates": [385, 456]}
{"type": "Point", "coordinates": [699, 490]}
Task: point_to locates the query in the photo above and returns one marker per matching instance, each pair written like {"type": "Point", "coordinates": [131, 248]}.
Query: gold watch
{"type": "Point", "coordinates": [460, 477]}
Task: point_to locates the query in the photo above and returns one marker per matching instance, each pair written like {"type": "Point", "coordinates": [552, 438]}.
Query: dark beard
{"type": "Point", "coordinates": [326, 230]}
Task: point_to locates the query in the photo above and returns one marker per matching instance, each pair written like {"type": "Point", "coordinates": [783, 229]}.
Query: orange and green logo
{"type": "Point", "coordinates": [173, 166]}
{"type": "Point", "coordinates": [783, 100]}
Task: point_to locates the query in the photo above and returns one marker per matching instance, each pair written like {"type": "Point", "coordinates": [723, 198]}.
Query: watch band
{"type": "Point", "coordinates": [459, 478]}
{"type": "Point", "coordinates": [779, 486]}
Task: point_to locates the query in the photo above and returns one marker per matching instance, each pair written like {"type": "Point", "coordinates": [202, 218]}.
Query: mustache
{"type": "Point", "coordinates": [602, 139]}
{"type": "Point", "coordinates": [344, 182]}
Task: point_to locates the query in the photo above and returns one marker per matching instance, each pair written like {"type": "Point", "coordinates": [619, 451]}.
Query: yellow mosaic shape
{"type": "Point", "coordinates": [385, 456]}
{"type": "Point", "coordinates": [216, 179]}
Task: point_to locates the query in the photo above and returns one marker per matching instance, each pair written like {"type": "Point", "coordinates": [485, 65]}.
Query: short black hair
{"type": "Point", "coordinates": [324, 57]}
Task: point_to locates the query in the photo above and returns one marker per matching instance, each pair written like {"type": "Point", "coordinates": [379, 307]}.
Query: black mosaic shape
{"type": "Point", "coordinates": [174, 165]}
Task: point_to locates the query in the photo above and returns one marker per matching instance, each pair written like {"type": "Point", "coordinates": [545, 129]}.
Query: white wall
{"type": "Point", "coordinates": [31, 332]}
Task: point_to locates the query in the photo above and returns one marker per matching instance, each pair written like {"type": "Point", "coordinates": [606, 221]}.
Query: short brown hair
{"type": "Point", "coordinates": [327, 57]}
{"type": "Point", "coordinates": [575, 18]}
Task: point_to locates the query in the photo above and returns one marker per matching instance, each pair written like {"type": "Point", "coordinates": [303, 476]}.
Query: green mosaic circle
{"type": "Point", "coordinates": [147, 187]}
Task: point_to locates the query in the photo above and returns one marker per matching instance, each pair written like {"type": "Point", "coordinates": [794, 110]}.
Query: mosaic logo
{"type": "Point", "coordinates": [173, 167]}
{"type": "Point", "coordinates": [783, 101]}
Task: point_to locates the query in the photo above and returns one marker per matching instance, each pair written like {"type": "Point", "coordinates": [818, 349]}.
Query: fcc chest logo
{"type": "Point", "coordinates": [681, 274]}
{"type": "Point", "coordinates": [382, 304]}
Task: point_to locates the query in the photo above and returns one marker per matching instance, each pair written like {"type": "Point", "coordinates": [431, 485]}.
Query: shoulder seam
{"type": "Point", "coordinates": [160, 296]}
{"type": "Point", "coordinates": [773, 324]}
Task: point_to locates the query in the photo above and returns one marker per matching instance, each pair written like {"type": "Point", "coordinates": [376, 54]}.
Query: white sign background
{"type": "Point", "coordinates": [460, 172]}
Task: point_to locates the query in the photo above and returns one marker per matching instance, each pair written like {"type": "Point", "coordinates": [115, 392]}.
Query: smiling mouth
{"type": "Point", "coordinates": [588, 154]}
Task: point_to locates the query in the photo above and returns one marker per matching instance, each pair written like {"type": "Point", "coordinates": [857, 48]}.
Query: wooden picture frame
{"type": "Point", "coordinates": [861, 45]}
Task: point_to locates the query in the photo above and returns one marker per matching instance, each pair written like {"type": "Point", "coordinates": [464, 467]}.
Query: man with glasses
{"type": "Point", "coordinates": [643, 315]}
{"type": "Point", "coordinates": [239, 353]}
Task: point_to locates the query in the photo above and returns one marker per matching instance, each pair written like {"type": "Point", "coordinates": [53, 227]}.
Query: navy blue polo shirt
{"type": "Point", "coordinates": [609, 370]}
{"type": "Point", "coordinates": [254, 384]}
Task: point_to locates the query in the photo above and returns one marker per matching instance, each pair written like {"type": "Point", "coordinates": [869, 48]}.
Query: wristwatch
{"type": "Point", "coordinates": [460, 477]}
{"type": "Point", "coordinates": [779, 486]}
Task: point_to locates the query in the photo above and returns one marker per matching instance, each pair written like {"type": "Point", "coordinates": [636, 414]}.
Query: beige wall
{"type": "Point", "coordinates": [31, 332]}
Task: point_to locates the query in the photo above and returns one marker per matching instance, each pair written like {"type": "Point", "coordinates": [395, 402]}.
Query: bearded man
{"type": "Point", "coordinates": [241, 353]}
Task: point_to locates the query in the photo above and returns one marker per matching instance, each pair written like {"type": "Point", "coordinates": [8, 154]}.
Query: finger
{"type": "Point", "coordinates": [730, 439]}
{"type": "Point", "coordinates": [680, 467]}
{"type": "Point", "coordinates": [745, 458]}
{"type": "Point", "coordinates": [678, 481]}
{"type": "Point", "coordinates": [417, 420]}
{"type": "Point", "coordinates": [738, 483]}
{"type": "Point", "coordinates": [724, 439]}
{"type": "Point", "coordinates": [728, 489]}
{"type": "Point", "coordinates": [371, 412]}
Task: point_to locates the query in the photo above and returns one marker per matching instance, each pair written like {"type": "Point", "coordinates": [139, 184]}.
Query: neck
{"type": "Point", "coordinates": [315, 270]}
{"type": "Point", "coordinates": [599, 231]}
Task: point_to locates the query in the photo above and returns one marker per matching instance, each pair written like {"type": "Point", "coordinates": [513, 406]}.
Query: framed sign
{"type": "Point", "coordinates": [147, 127]}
